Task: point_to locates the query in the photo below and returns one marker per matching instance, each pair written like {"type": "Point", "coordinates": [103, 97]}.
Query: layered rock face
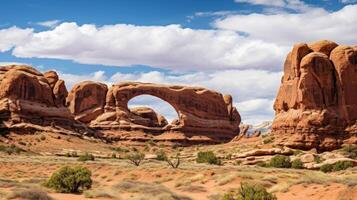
{"type": "Point", "coordinates": [316, 106]}
{"type": "Point", "coordinates": [32, 100]}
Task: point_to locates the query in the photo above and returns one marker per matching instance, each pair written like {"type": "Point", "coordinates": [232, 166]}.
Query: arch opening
{"type": "Point", "coordinates": [141, 105]}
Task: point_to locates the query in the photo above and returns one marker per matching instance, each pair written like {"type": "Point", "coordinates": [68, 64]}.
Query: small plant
{"type": "Point", "coordinates": [43, 137]}
{"type": "Point", "coordinates": [342, 165]}
{"type": "Point", "coordinates": [30, 194]}
{"type": "Point", "coordinates": [86, 157]}
{"type": "Point", "coordinates": [351, 151]}
{"type": "Point", "coordinates": [11, 149]}
{"type": "Point", "coordinates": [326, 168]}
{"type": "Point", "coordinates": [280, 161]}
{"type": "Point", "coordinates": [135, 158]}
{"type": "Point", "coordinates": [70, 180]}
{"type": "Point", "coordinates": [297, 164]}
{"type": "Point", "coordinates": [161, 155]}
{"type": "Point", "coordinates": [237, 162]}
{"type": "Point", "coordinates": [249, 192]}
{"type": "Point", "coordinates": [174, 162]}
{"type": "Point", "coordinates": [208, 157]}
{"type": "Point", "coordinates": [268, 140]}
{"type": "Point", "coordinates": [318, 159]}
{"type": "Point", "coordinates": [114, 155]}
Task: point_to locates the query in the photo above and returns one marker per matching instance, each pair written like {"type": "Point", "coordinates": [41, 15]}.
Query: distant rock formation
{"type": "Point", "coordinates": [316, 106]}
{"type": "Point", "coordinates": [32, 100]}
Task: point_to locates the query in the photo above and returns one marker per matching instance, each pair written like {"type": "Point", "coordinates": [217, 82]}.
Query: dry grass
{"type": "Point", "coordinates": [30, 194]}
{"type": "Point", "coordinates": [148, 191]}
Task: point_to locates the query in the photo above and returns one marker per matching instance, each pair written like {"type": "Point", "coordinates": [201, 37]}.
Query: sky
{"type": "Point", "coordinates": [236, 47]}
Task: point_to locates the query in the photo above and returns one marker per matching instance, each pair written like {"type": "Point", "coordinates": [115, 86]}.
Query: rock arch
{"type": "Point", "coordinates": [201, 111]}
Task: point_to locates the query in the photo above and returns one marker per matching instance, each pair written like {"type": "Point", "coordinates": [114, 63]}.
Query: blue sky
{"type": "Point", "coordinates": [233, 46]}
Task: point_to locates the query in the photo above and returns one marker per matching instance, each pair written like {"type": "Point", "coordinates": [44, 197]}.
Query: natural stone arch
{"type": "Point", "coordinates": [149, 110]}
{"type": "Point", "coordinates": [202, 112]}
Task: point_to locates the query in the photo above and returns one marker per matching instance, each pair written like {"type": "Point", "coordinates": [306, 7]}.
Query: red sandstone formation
{"type": "Point", "coordinates": [316, 106]}
{"type": "Point", "coordinates": [32, 100]}
{"type": "Point", "coordinates": [201, 112]}
{"type": "Point", "coordinates": [86, 100]}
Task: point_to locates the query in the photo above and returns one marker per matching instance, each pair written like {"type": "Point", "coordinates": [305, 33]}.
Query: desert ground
{"type": "Point", "coordinates": [117, 178]}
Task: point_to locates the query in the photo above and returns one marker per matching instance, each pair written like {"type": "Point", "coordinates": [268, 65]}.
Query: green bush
{"type": "Point", "coordinates": [326, 168]}
{"type": "Point", "coordinates": [10, 149]}
{"type": "Point", "coordinates": [86, 157]}
{"type": "Point", "coordinates": [135, 158]}
{"type": "Point", "coordinates": [208, 157]}
{"type": "Point", "coordinates": [340, 165]}
{"type": "Point", "coordinates": [268, 140]}
{"type": "Point", "coordinates": [280, 161]}
{"type": "Point", "coordinates": [351, 151]}
{"type": "Point", "coordinates": [249, 192]}
{"type": "Point", "coordinates": [297, 164]}
{"type": "Point", "coordinates": [70, 180]}
{"type": "Point", "coordinates": [161, 155]}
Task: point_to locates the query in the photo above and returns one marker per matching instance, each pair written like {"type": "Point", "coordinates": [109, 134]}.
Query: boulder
{"type": "Point", "coordinates": [307, 158]}
{"type": "Point", "coordinates": [148, 117]}
{"type": "Point", "coordinates": [316, 105]}
{"type": "Point", "coordinates": [58, 88]}
{"type": "Point", "coordinates": [264, 152]}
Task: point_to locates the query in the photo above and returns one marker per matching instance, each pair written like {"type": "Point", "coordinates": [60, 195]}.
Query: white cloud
{"type": "Point", "coordinates": [50, 23]}
{"type": "Point", "coordinates": [288, 28]}
{"type": "Point", "coordinates": [13, 36]}
{"type": "Point", "coordinates": [294, 5]}
{"type": "Point", "coordinates": [171, 47]}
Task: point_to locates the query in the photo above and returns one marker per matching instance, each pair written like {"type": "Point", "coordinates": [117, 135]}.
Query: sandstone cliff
{"type": "Point", "coordinates": [316, 106]}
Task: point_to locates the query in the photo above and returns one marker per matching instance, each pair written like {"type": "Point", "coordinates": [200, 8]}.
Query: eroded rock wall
{"type": "Point", "coordinates": [316, 106]}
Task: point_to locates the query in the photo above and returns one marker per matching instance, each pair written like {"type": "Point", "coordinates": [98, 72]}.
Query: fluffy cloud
{"type": "Point", "coordinates": [13, 36]}
{"type": "Point", "coordinates": [288, 28]}
{"type": "Point", "coordinates": [170, 47]}
{"type": "Point", "coordinates": [253, 91]}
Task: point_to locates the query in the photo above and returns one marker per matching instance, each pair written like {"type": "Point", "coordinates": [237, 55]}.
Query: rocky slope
{"type": "Point", "coordinates": [316, 106]}
{"type": "Point", "coordinates": [30, 100]}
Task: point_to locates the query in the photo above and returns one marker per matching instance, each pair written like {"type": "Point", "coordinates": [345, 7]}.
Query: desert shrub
{"type": "Point", "coordinates": [342, 165]}
{"type": "Point", "coordinates": [268, 140]}
{"type": "Point", "coordinates": [86, 157]}
{"type": "Point", "coordinates": [326, 168]}
{"type": "Point", "coordinates": [10, 149]}
{"type": "Point", "coordinates": [249, 192]}
{"type": "Point", "coordinates": [30, 194]}
{"type": "Point", "coordinates": [280, 161]}
{"type": "Point", "coordinates": [70, 180]}
{"type": "Point", "coordinates": [208, 157]}
{"type": "Point", "coordinates": [114, 155]}
{"type": "Point", "coordinates": [174, 162]}
{"type": "Point", "coordinates": [318, 159]}
{"type": "Point", "coordinates": [135, 158]}
{"type": "Point", "coordinates": [351, 151]}
{"type": "Point", "coordinates": [297, 164]}
{"type": "Point", "coordinates": [161, 155]}
{"type": "Point", "coordinates": [263, 164]}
